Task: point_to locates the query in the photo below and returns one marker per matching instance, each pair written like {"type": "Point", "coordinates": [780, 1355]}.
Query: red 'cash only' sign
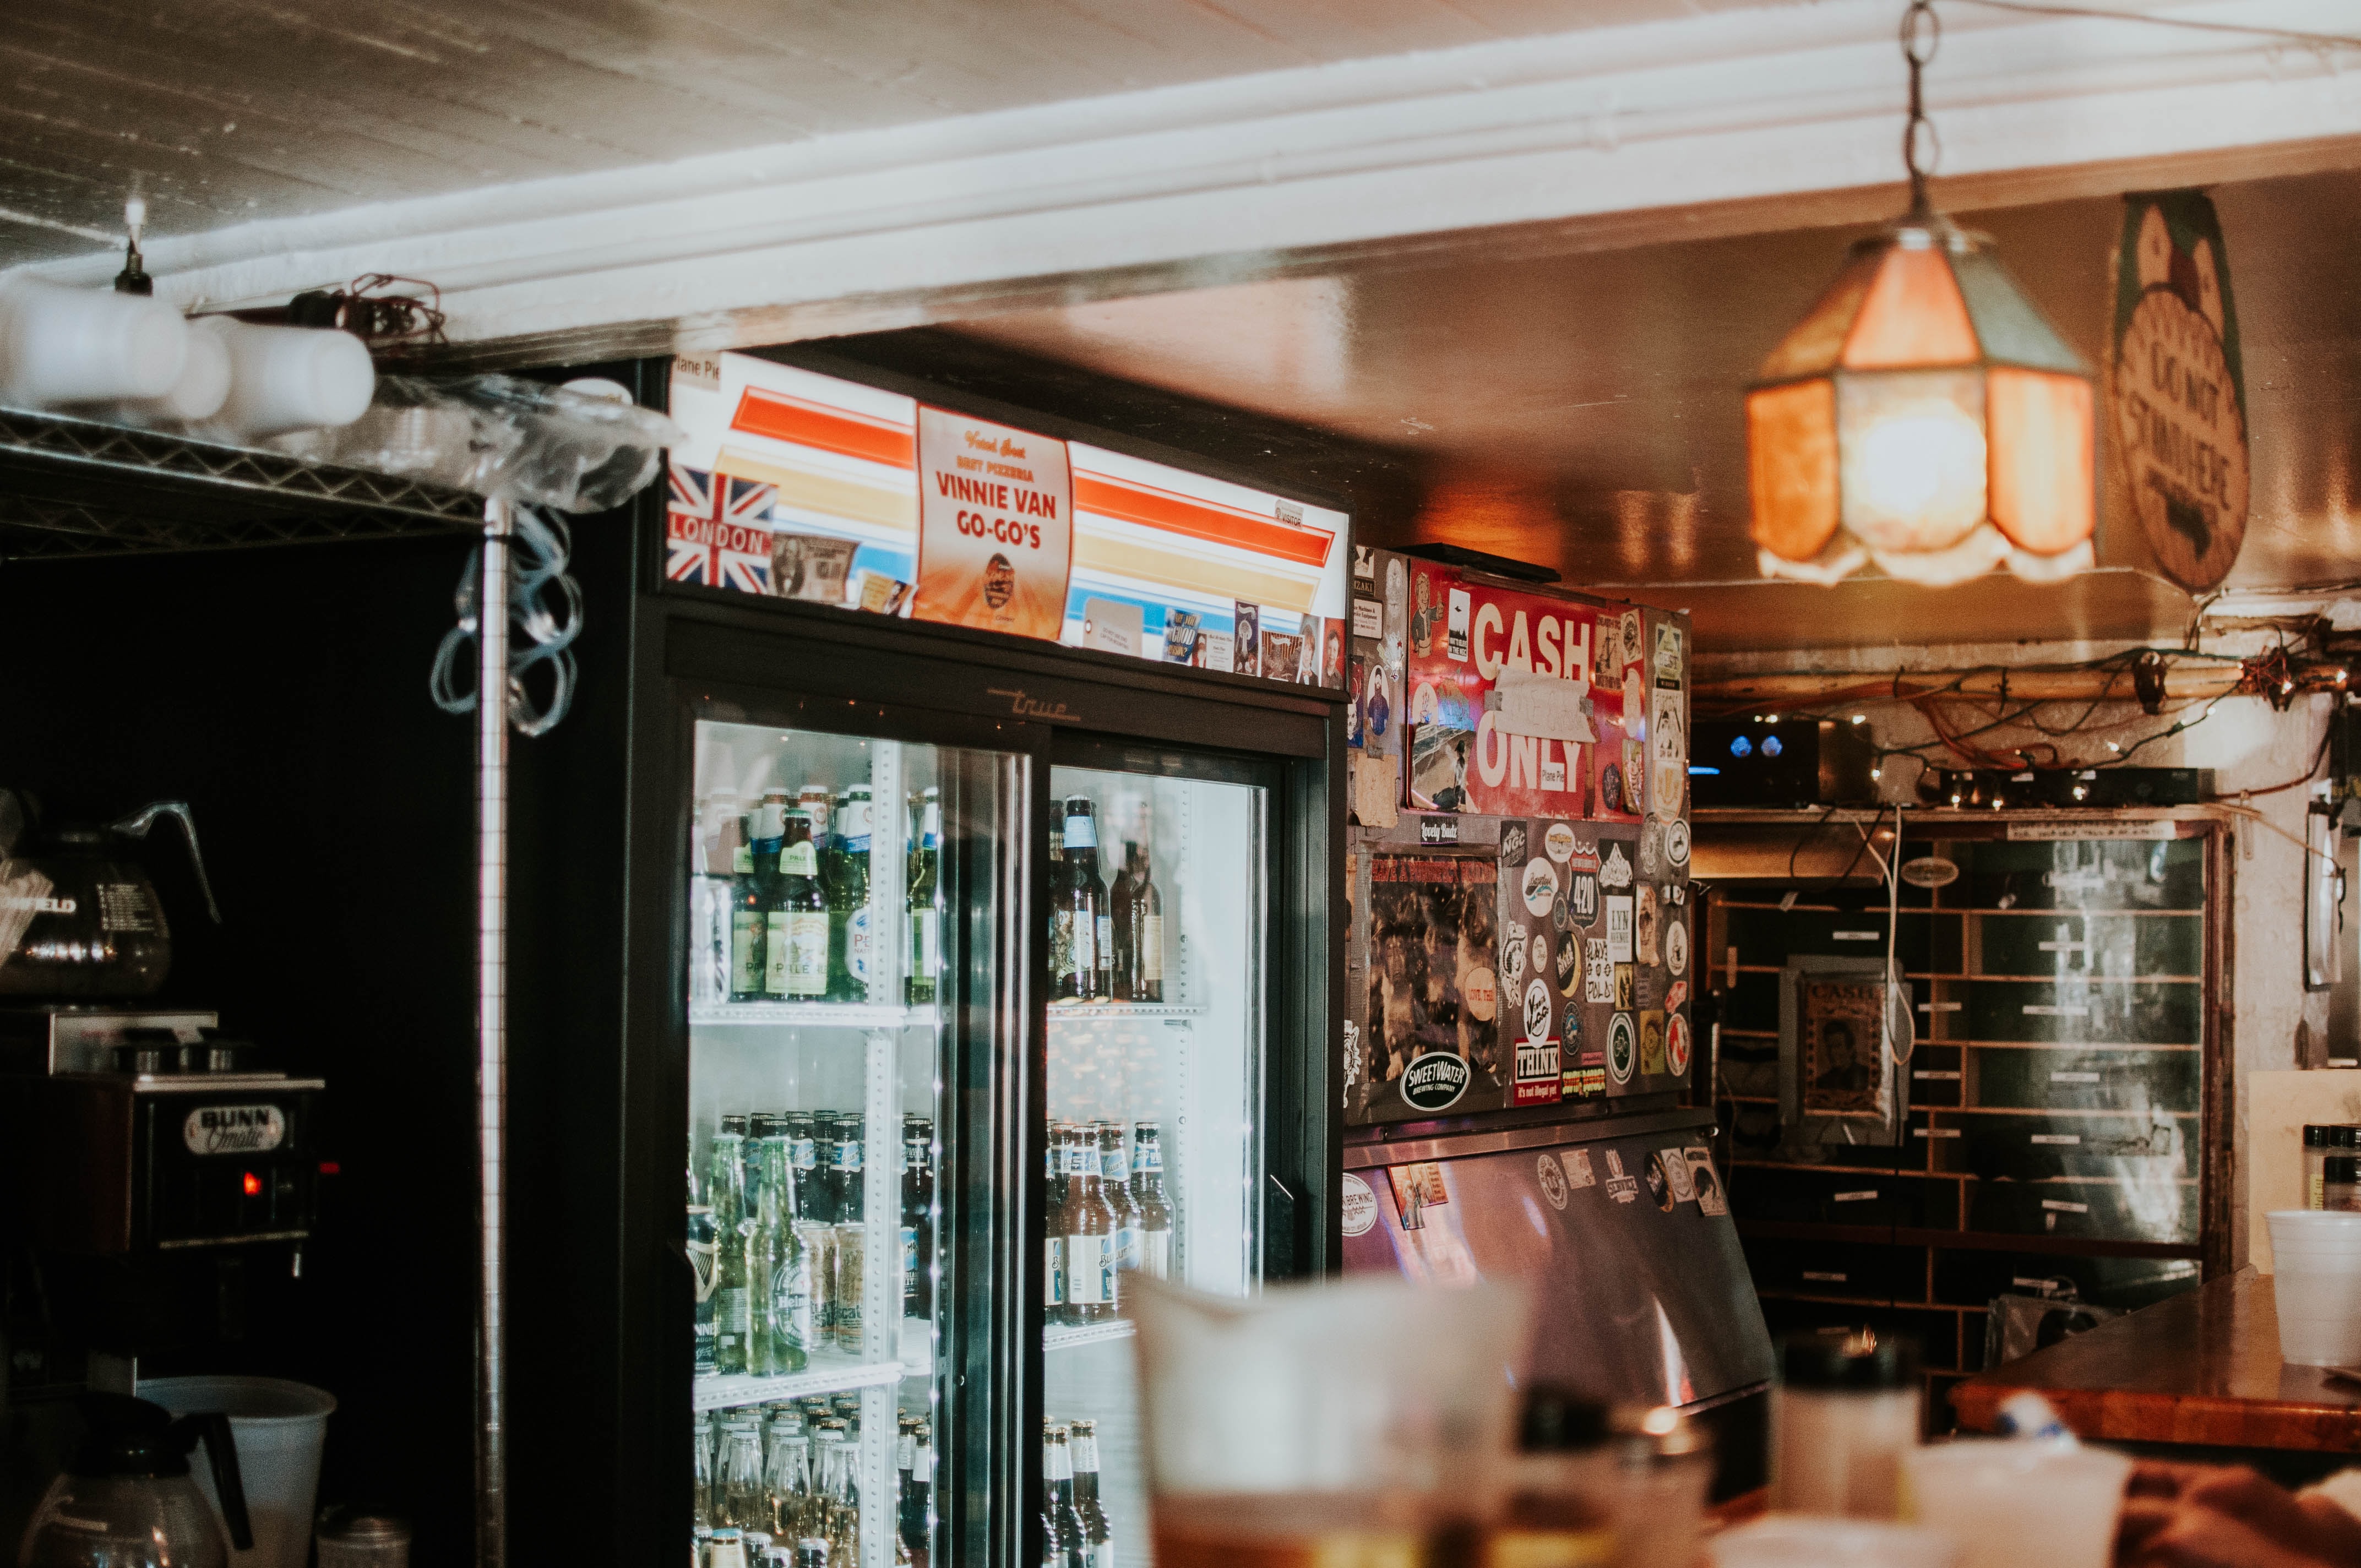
{"type": "Point", "coordinates": [1522, 706]}
{"type": "Point", "coordinates": [996, 525]}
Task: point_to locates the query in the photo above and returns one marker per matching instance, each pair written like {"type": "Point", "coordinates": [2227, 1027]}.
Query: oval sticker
{"type": "Point", "coordinates": [1537, 1010]}
{"type": "Point", "coordinates": [1434, 1082]}
{"type": "Point", "coordinates": [1540, 886]}
{"type": "Point", "coordinates": [1360, 1206]}
{"type": "Point", "coordinates": [1558, 842]}
{"type": "Point", "coordinates": [1929, 871]}
{"type": "Point", "coordinates": [1676, 842]}
{"type": "Point", "coordinates": [1553, 1179]}
{"type": "Point", "coordinates": [1622, 1047]}
{"type": "Point", "coordinates": [233, 1129]}
{"type": "Point", "coordinates": [1676, 945]}
{"type": "Point", "coordinates": [1676, 1046]}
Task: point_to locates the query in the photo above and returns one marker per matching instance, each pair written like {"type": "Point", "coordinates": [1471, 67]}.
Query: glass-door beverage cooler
{"type": "Point", "coordinates": [978, 1036]}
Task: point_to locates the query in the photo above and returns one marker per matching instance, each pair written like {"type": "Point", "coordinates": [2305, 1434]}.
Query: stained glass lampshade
{"type": "Point", "coordinates": [1923, 416]}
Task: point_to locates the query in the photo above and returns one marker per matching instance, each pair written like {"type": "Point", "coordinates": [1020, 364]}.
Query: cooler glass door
{"type": "Point", "coordinates": [855, 905]}
{"type": "Point", "coordinates": [1158, 911]}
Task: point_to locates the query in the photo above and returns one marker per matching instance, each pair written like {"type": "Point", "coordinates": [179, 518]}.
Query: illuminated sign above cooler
{"type": "Point", "coordinates": [809, 487]}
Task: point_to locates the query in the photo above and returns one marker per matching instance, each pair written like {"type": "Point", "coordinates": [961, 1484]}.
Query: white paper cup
{"type": "Point", "coordinates": [86, 346]}
{"type": "Point", "coordinates": [2006, 1503]}
{"type": "Point", "coordinates": [1824, 1541]}
{"type": "Point", "coordinates": [2317, 1257]}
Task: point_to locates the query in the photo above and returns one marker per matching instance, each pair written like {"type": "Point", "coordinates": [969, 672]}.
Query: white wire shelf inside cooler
{"type": "Point", "coordinates": [829, 1373]}
{"type": "Point", "coordinates": [1066, 1336]}
{"type": "Point", "coordinates": [1122, 1010]}
{"type": "Point", "coordinates": [809, 1016]}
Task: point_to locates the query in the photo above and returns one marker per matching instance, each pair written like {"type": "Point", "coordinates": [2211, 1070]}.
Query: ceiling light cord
{"type": "Point", "coordinates": [2186, 24]}
{"type": "Point", "coordinates": [1922, 34]}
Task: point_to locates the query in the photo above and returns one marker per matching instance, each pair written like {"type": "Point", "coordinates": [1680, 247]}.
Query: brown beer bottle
{"type": "Point", "coordinates": [1155, 1210]}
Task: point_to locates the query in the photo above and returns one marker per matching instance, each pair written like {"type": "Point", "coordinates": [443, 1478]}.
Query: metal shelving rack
{"type": "Point", "coordinates": [72, 488]}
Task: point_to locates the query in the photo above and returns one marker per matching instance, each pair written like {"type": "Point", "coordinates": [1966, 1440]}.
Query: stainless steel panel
{"type": "Point", "coordinates": [1641, 1296]}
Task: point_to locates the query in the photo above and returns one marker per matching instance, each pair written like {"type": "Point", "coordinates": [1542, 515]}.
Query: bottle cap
{"type": "Point", "coordinates": [1557, 1419]}
{"type": "Point", "coordinates": [1856, 1363]}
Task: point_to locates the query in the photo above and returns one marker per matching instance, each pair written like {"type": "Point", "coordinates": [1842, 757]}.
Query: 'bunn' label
{"type": "Point", "coordinates": [233, 1129]}
{"type": "Point", "coordinates": [1434, 1082]}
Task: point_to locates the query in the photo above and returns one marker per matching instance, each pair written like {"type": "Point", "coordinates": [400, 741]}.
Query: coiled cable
{"type": "Point", "coordinates": [542, 547]}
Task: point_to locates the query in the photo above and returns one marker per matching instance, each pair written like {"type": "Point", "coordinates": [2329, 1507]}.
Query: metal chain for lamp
{"type": "Point", "coordinates": [1922, 34]}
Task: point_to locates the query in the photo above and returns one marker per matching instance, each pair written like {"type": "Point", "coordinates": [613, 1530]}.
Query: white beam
{"type": "Point", "coordinates": [1226, 179]}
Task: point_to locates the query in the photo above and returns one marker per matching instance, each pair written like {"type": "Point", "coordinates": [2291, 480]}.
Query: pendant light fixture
{"type": "Point", "coordinates": [1923, 416]}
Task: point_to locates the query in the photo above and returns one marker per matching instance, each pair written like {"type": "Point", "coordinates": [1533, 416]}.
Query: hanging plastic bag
{"type": "Point", "coordinates": [503, 437]}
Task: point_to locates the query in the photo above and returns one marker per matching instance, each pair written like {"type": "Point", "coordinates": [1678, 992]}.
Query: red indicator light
{"type": "Point", "coordinates": [253, 1185]}
{"type": "Point", "coordinates": [330, 1167]}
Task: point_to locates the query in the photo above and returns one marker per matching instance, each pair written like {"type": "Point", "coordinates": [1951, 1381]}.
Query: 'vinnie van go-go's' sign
{"type": "Point", "coordinates": [996, 525]}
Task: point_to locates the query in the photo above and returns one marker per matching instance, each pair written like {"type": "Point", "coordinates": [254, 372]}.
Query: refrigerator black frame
{"type": "Point", "coordinates": [953, 686]}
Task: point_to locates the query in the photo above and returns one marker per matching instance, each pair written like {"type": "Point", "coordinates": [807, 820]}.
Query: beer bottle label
{"type": "Point", "coordinates": [1126, 1246]}
{"type": "Point", "coordinates": [733, 1315]}
{"type": "Point", "coordinates": [1156, 1253]}
{"type": "Point", "coordinates": [1102, 1554]}
{"type": "Point", "coordinates": [1061, 944]}
{"type": "Point", "coordinates": [806, 1153]}
{"type": "Point", "coordinates": [926, 942]}
{"type": "Point", "coordinates": [1081, 833]}
{"type": "Point", "coordinates": [856, 944]}
{"type": "Point", "coordinates": [1085, 1283]}
{"type": "Point", "coordinates": [1054, 1255]}
{"type": "Point", "coordinates": [909, 1255]}
{"type": "Point", "coordinates": [1146, 1157]}
{"type": "Point", "coordinates": [779, 956]}
{"type": "Point", "coordinates": [746, 967]}
{"type": "Point", "coordinates": [1086, 948]}
{"type": "Point", "coordinates": [741, 860]}
{"type": "Point", "coordinates": [791, 1304]}
{"type": "Point", "coordinates": [1105, 947]}
{"type": "Point", "coordinates": [805, 970]}
{"type": "Point", "coordinates": [1151, 949]}
{"type": "Point", "coordinates": [800, 860]}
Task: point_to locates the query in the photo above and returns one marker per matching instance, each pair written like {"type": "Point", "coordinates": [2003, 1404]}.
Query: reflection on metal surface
{"type": "Point", "coordinates": [1644, 1296]}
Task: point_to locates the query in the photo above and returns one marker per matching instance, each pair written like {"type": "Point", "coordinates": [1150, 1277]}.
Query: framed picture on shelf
{"type": "Point", "coordinates": [1837, 1080]}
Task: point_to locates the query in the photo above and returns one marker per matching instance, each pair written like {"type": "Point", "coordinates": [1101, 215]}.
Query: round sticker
{"type": "Point", "coordinates": [1677, 1045]}
{"type": "Point", "coordinates": [1540, 886]}
{"type": "Point", "coordinates": [1560, 916]}
{"type": "Point", "coordinates": [1360, 1206]}
{"type": "Point", "coordinates": [1537, 1010]}
{"type": "Point", "coordinates": [1676, 944]}
{"type": "Point", "coordinates": [1676, 842]}
{"type": "Point", "coordinates": [1541, 953]}
{"type": "Point", "coordinates": [1513, 952]}
{"type": "Point", "coordinates": [1569, 958]}
{"type": "Point", "coordinates": [1553, 1179]}
{"type": "Point", "coordinates": [1558, 842]}
{"type": "Point", "coordinates": [1610, 788]}
{"type": "Point", "coordinates": [1481, 992]}
{"type": "Point", "coordinates": [1622, 1047]}
{"type": "Point", "coordinates": [1572, 1028]}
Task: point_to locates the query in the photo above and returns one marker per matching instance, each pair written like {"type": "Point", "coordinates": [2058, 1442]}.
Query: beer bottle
{"type": "Point", "coordinates": [749, 906]}
{"type": "Point", "coordinates": [848, 899]}
{"type": "Point", "coordinates": [732, 1304]}
{"type": "Point", "coordinates": [713, 854]}
{"type": "Point", "coordinates": [1086, 898]}
{"type": "Point", "coordinates": [799, 922]}
{"type": "Point", "coordinates": [917, 1219]}
{"type": "Point", "coordinates": [1061, 914]}
{"type": "Point", "coordinates": [704, 1263]}
{"type": "Point", "coordinates": [1095, 1528]}
{"type": "Point", "coordinates": [1057, 1497]}
{"type": "Point", "coordinates": [1117, 1187]}
{"type": "Point", "coordinates": [780, 1268]}
{"type": "Point", "coordinates": [852, 1160]}
{"type": "Point", "coordinates": [1139, 924]}
{"type": "Point", "coordinates": [1154, 1209]}
{"type": "Point", "coordinates": [1053, 1226]}
{"type": "Point", "coordinates": [1091, 1278]}
{"type": "Point", "coordinates": [920, 1496]}
{"type": "Point", "coordinates": [923, 960]}
{"type": "Point", "coordinates": [803, 1154]}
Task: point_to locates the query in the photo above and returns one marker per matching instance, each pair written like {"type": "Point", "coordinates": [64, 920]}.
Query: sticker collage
{"type": "Point", "coordinates": [1521, 845]}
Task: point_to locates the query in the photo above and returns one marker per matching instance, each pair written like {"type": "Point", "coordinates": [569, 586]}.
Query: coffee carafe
{"type": "Point", "coordinates": [126, 1500]}
{"type": "Point", "coordinates": [79, 915]}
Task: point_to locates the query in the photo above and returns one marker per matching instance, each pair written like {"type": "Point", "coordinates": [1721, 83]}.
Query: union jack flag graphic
{"type": "Point", "coordinates": [715, 530]}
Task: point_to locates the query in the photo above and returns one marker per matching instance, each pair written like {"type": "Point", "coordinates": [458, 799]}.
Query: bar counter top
{"type": "Point", "coordinates": [2202, 1368]}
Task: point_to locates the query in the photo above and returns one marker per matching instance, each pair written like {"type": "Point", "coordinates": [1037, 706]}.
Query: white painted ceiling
{"type": "Point", "coordinates": [224, 112]}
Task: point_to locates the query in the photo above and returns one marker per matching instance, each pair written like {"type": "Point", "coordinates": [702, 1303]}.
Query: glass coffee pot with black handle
{"type": "Point", "coordinates": [126, 1501]}
{"type": "Point", "coordinates": [80, 916]}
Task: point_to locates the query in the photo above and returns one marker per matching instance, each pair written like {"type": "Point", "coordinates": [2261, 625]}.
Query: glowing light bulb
{"type": "Point", "coordinates": [1860, 718]}
{"type": "Point", "coordinates": [1916, 476]}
